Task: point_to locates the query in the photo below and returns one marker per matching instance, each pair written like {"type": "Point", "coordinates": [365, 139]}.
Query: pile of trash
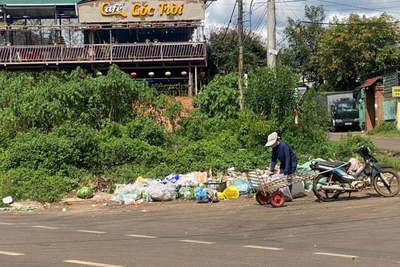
{"type": "Point", "coordinates": [149, 190]}
{"type": "Point", "coordinates": [205, 188]}
{"type": "Point", "coordinates": [191, 186]}
{"type": "Point", "coordinates": [200, 186]}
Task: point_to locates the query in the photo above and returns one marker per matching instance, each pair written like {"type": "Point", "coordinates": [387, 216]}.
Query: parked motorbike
{"type": "Point", "coordinates": [334, 178]}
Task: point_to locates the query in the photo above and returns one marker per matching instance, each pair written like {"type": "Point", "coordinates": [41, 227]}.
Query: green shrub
{"type": "Point", "coordinates": [220, 97]}
{"type": "Point", "coordinates": [251, 130]}
{"type": "Point", "coordinates": [394, 161]}
{"type": "Point", "coordinates": [37, 185]}
{"type": "Point", "coordinates": [345, 149]}
{"type": "Point", "coordinates": [40, 151]}
{"type": "Point", "coordinates": [146, 130]}
{"type": "Point", "coordinates": [218, 153]}
{"type": "Point", "coordinates": [386, 128]}
{"type": "Point", "coordinates": [83, 139]}
{"type": "Point", "coordinates": [270, 92]}
{"type": "Point", "coordinates": [116, 152]}
{"type": "Point", "coordinates": [197, 126]}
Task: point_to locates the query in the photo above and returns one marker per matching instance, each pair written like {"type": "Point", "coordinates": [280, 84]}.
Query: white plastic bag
{"type": "Point", "coordinates": [161, 192]}
{"type": "Point", "coordinates": [298, 190]}
{"type": "Point", "coordinates": [287, 194]}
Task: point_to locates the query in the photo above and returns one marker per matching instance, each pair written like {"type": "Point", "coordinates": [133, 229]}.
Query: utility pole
{"type": "Point", "coordinates": [271, 34]}
{"type": "Point", "coordinates": [240, 44]}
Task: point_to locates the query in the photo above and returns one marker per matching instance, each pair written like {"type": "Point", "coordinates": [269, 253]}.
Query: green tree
{"type": "Point", "coordinates": [220, 98]}
{"type": "Point", "coordinates": [271, 92]}
{"type": "Point", "coordinates": [302, 45]}
{"type": "Point", "coordinates": [355, 46]}
{"type": "Point", "coordinates": [223, 52]}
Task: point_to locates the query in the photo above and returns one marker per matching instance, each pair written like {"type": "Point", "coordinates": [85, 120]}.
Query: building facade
{"type": "Point", "coordinates": [160, 41]}
{"type": "Point", "coordinates": [375, 93]}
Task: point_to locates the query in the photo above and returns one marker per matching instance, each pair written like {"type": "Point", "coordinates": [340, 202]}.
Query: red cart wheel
{"type": "Point", "coordinates": [262, 199]}
{"type": "Point", "coordinates": [277, 199]}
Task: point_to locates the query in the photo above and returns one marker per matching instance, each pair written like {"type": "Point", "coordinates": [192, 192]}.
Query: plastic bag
{"type": "Point", "coordinates": [200, 194]}
{"type": "Point", "coordinates": [206, 195]}
{"type": "Point", "coordinates": [173, 178]}
{"type": "Point", "coordinates": [186, 193]}
{"type": "Point", "coordinates": [298, 190]}
{"type": "Point", "coordinates": [231, 192]}
{"type": "Point", "coordinates": [242, 185]}
{"type": "Point", "coordinates": [287, 194]}
{"type": "Point", "coordinates": [161, 192]}
{"type": "Point", "coordinates": [128, 193]}
{"type": "Point", "coordinates": [212, 195]}
{"type": "Point", "coordinates": [355, 165]}
{"type": "Point", "coordinates": [187, 180]}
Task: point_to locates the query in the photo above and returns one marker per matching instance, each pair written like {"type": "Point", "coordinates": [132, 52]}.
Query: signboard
{"type": "Point", "coordinates": [108, 11]}
{"type": "Point", "coordinates": [396, 91]}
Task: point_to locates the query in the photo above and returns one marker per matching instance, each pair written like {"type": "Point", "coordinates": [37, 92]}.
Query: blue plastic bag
{"type": "Point", "coordinates": [200, 194]}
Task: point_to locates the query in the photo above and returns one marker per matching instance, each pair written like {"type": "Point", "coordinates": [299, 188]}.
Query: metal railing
{"type": "Point", "coordinates": [103, 52]}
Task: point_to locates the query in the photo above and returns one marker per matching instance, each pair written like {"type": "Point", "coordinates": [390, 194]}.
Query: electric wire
{"type": "Point", "coordinates": [358, 7]}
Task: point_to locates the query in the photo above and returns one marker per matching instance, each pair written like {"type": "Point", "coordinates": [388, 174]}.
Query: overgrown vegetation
{"type": "Point", "coordinates": [59, 131]}
{"type": "Point", "coordinates": [385, 129]}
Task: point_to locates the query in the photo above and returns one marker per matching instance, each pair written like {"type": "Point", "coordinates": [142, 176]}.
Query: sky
{"type": "Point", "coordinates": [219, 12]}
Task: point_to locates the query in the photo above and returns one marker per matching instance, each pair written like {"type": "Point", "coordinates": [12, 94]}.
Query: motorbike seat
{"type": "Point", "coordinates": [333, 164]}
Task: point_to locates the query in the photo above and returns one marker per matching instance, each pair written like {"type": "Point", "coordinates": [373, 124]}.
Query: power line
{"type": "Point", "coordinates": [290, 9]}
{"type": "Point", "coordinates": [212, 7]}
{"type": "Point", "coordinates": [358, 7]}
{"type": "Point", "coordinates": [230, 19]}
{"type": "Point", "coordinates": [360, 23]}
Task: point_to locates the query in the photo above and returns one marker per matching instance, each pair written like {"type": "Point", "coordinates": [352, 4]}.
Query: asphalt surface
{"type": "Point", "coordinates": [392, 144]}
{"type": "Point", "coordinates": [362, 231]}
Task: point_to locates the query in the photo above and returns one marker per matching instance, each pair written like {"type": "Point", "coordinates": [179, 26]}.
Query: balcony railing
{"type": "Point", "coordinates": [102, 53]}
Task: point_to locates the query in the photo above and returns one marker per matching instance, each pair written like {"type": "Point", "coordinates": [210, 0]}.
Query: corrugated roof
{"type": "Point", "coordinates": [37, 2]}
{"type": "Point", "coordinates": [371, 81]}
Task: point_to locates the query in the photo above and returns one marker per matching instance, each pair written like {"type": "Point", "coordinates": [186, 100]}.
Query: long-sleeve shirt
{"type": "Point", "coordinates": [288, 160]}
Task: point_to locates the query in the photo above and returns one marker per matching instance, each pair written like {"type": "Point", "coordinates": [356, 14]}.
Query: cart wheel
{"type": "Point", "coordinates": [277, 199]}
{"type": "Point", "coordinates": [262, 199]}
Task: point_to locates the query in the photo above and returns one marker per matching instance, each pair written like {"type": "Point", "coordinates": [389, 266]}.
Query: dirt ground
{"type": "Point", "coordinates": [186, 102]}
{"type": "Point", "coordinates": [101, 203]}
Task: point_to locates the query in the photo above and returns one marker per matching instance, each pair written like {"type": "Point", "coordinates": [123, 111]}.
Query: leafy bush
{"type": "Point", "coordinates": [41, 151]}
{"type": "Point", "coordinates": [252, 130]}
{"type": "Point", "coordinates": [220, 97]}
{"type": "Point", "coordinates": [147, 130]}
{"type": "Point", "coordinates": [197, 126]}
{"type": "Point", "coordinates": [218, 152]}
{"type": "Point", "coordinates": [37, 185]}
{"type": "Point", "coordinates": [83, 139]}
{"type": "Point", "coordinates": [48, 99]}
{"type": "Point", "coordinates": [345, 149]}
{"type": "Point", "coordinates": [116, 152]}
{"type": "Point", "coordinates": [271, 92]}
{"type": "Point", "coordinates": [386, 128]}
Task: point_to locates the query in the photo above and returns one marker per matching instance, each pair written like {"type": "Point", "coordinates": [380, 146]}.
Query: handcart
{"type": "Point", "coordinates": [268, 190]}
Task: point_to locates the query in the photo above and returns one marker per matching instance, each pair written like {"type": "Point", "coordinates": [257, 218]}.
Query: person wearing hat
{"type": "Point", "coordinates": [283, 152]}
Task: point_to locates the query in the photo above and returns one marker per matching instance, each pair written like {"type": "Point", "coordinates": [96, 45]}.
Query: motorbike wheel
{"type": "Point", "coordinates": [262, 199]}
{"type": "Point", "coordinates": [324, 195]}
{"type": "Point", "coordinates": [277, 199]}
{"type": "Point", "coordinates": [387, 183]}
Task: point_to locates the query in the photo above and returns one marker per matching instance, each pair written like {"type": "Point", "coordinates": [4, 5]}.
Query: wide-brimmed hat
{"type": "Point", "coordinates": [272, 138]}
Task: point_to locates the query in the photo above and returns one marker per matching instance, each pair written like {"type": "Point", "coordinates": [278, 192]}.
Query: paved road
{"type": "Point", "coordinates": [363, 231]}
{"type": "Point", "coordinates": [382, 143]}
